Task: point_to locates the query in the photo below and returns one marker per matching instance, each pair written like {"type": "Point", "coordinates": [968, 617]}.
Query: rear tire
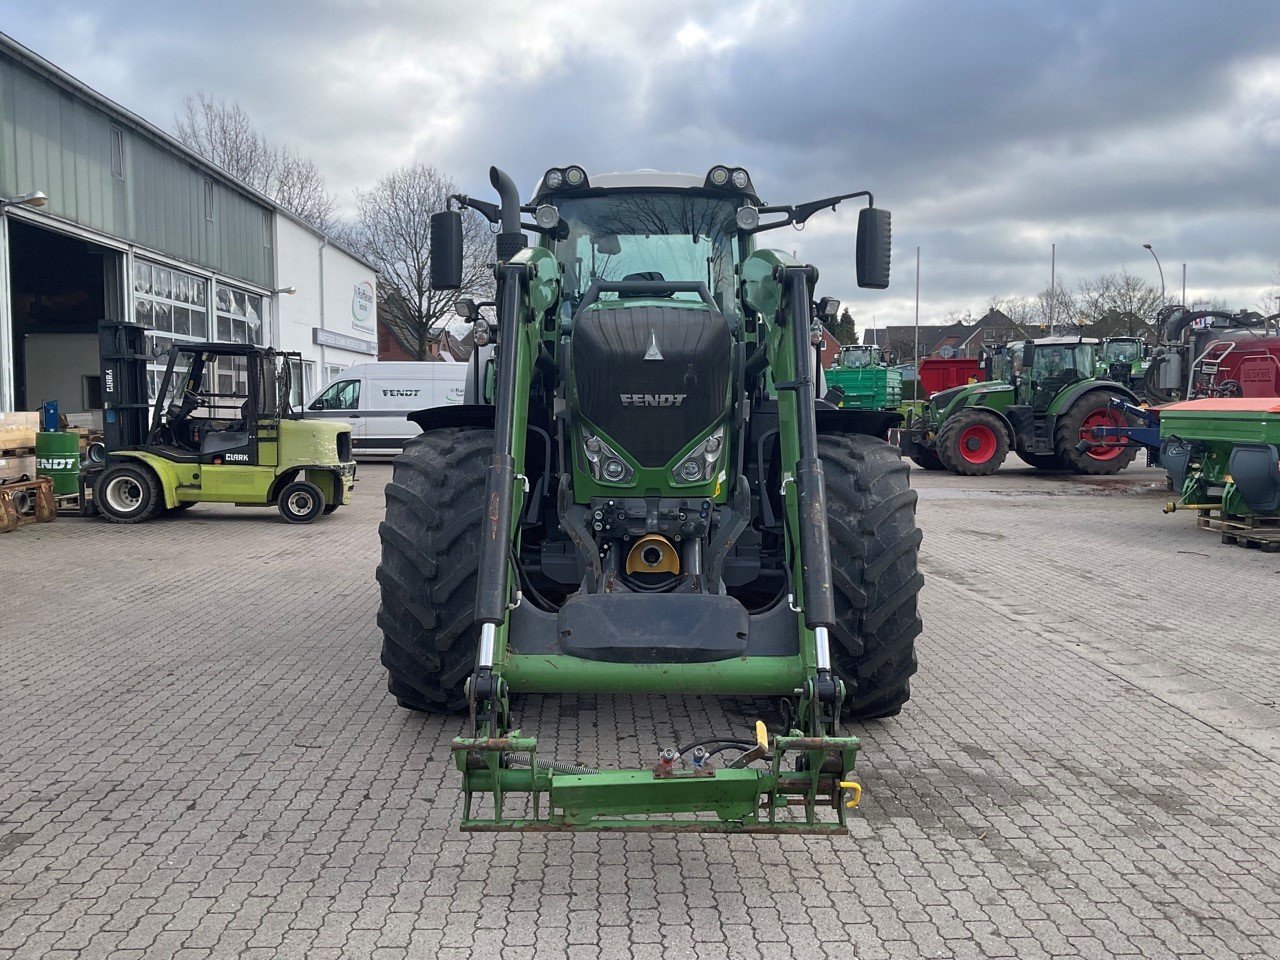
{"type": "Point", "coordinates": [928, 460]}
{"type": "Point", "coordinates": [973, 443]}
{"type": "Point", "coordinates": [875, 545]}
{"type": "Point", "coordinates": [430, 561]}
{"type": "Point", "coordinates": [1070, 430]}
{"type": "Point", "coordinates": [128, 493]}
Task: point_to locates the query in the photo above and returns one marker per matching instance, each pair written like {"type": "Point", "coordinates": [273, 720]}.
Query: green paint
{"type": "Point", "coordinates": [545, 673]}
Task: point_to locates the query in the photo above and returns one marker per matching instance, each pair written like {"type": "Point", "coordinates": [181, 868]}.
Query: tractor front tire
{"type": "Point", "coordinates": [1077, 423]}
{"type": "Point", "coordinates": [1043, 461]}
{"type": "Point", "coordinates": [973, 443]}
{"type": "Point", "coordinates": [430, 561]}
{"type": "Point", "coordinates": [928, 460]}
{"type": "Point", "coordinates": [128, 493]}
{"type": "Point", "coordinates": [875, 545]}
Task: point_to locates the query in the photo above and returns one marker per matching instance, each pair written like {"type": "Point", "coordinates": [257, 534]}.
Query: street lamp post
{"type": "Point", "coordinates": [36, 198]}
{"type": "Point", "coordinates": [1147, 247]}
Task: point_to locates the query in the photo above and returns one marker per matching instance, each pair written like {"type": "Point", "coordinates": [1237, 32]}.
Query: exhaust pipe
{"type": "Point", "coordinates": [511, 240]}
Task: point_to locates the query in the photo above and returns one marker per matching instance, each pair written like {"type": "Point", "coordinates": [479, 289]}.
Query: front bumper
{"type": "Point", "coordinates": [346, 480]}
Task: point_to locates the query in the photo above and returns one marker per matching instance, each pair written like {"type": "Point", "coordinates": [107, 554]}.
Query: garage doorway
{"type": "Point", "coordinates": [60, 287]}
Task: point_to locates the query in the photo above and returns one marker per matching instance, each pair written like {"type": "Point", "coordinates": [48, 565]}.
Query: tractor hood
{"type": "Point", "coordinates": [651, 374]}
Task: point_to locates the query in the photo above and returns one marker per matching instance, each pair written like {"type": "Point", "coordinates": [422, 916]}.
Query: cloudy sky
{"type": "Point", "coordinates": [991, 129]}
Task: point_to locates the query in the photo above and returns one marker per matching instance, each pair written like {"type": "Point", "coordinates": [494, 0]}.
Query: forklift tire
{"type": "Point", "coordinates": [430, 561]}
{"type": "Point", "coordinates": [330, 507]}
{"type": "Point", "coordinates": [127, 493]}
{"type": "Point", "coordinates": [973, 443]}
{"type": "Point", "coordinates": [928, 460]}
{"type": "Point", "coordinates": [1092, 409]}
{"type": "Point", "coordinates": [300, 501]}
{"type": "Point", "coordinates": [182, 507]}
{"type": "Point", "coordinates": [875, 545]}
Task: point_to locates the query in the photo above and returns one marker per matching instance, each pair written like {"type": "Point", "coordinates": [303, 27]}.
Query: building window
{"type": "Point", "coordinates": [333, 371]}
{"type": "Point", "coordinates": [301, 375]}
{"type": "Point", "coordinates": [174, 304]}
{"type": "Point", "coordinates": [239, 316]}
{"type": "Point", "coordinates": [117, 153]}
{"type": "Point", "coordinates": [208, 199]}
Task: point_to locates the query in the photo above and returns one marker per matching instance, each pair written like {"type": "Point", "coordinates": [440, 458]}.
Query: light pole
{"type": "Point", "coordinates": [917, 353]}
{"type": "Point", "coordinates": [1147, 246]}
{"type": "Point", "coordinates": [1184, 284]}
{"type": "Point", "coordinates": [1053, 282]}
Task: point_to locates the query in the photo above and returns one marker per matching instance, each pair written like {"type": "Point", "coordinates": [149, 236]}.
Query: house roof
{"type": "Point", "coordinates": [57, 75]}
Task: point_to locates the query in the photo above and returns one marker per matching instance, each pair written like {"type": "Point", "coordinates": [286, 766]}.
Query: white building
{"type": "Point", "coordinates": [104, 215]}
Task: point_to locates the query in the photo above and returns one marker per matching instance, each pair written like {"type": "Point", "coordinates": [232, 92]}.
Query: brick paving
{"type": "Point", "coordinates": [198, 758]}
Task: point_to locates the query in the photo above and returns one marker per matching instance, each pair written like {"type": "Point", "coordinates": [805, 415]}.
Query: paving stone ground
{"type": "Point", "coordinates": [198, 758]}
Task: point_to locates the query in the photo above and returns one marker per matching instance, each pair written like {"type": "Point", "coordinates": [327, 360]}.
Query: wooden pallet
{"type": "Point", "coordinates": [29, 502]}
{"type": "Point", "coordinates": [1255, 533]}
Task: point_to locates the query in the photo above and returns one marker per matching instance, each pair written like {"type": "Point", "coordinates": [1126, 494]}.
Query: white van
{"type": "Point", "coordinates": [377, 398]}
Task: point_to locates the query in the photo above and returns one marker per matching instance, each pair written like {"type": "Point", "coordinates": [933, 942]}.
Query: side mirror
{"type": "Point", "coordinates": [446, 250]}
{"type": "Point", "coordinates": [466, 308]}
{"type": "Point", "coordinates": [1028, 355]}
{"type": "Point", "coordinates": [607, 244]}
{"type": "Point", "coordinates": [875, 243]}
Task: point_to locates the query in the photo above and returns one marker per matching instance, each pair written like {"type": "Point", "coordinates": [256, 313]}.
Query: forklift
{"type": "Point", "coordinates": [221, 429]}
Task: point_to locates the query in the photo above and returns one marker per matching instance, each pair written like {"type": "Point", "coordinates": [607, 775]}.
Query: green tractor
{"type": "Point", "coordinates": [1124, 360]}
{"type": "Point", "coordinates": [1046, 404]}
{"type": "Point", "coordinates": [865, 381]}
{"type": "Point", "coordinates": [648, 497]}
{"type": "Point", "coordinates": [221, 430]}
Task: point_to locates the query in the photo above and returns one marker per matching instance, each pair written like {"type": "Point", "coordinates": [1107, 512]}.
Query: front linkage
{"type": "Point", "coordinates": [496, 761]}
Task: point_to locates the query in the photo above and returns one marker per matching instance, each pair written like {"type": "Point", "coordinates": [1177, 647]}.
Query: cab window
{"type": "Point", "coordinates": [343, 395]}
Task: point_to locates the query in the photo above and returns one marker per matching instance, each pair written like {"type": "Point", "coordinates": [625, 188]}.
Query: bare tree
{"type": "Point", "coordinates": [393, 232]}
{"type": "Point", "coordinates": [224, 134]}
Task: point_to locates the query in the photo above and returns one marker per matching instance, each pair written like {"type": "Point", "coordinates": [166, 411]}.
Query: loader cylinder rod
{"type": "Point", "coordinates": [815, 545]}
{"type": "Point", "coordinates": [493, 578]}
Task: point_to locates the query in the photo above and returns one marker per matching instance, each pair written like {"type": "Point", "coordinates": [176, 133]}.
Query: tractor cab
{"type": "Point", "coordinates": [1049, 365]}
{"type": "Point", "coordinates": [858, 356]}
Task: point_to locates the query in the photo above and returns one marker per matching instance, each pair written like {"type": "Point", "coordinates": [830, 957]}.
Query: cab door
{"type": "Point", "coordinates": [230, 452]}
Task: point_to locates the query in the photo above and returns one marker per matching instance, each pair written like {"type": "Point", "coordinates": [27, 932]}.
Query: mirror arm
{"type": "Point", "coordinates": [489, 211]}
{"type": "Point", "coordinates": [803, 211]}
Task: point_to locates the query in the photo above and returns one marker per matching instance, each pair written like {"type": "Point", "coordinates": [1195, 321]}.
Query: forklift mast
{"type": "Point", "coordinates": [126, 408]}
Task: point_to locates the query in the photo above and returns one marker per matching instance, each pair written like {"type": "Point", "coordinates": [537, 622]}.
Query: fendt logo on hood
{"type": "Point", "coordinates": [652, 399]}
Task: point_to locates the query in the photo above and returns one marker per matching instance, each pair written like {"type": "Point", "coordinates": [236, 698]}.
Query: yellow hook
{"type": "Point", "coordinates": [856, 789]}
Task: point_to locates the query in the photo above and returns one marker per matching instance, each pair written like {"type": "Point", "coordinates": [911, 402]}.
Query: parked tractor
{"type": "Point", "coordinates": [648, 497]}
{"type": "Point", "coordinates": [221, 429]}
{"type": "Point", "coordinates": [1124, 360]}
{"type": "Point", "coordinates": [864, 379]}
{"type": "Point", "coordinates": [1046, 402]}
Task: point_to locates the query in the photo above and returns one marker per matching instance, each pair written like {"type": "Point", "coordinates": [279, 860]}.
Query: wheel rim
{"type": "Point", "coordinates": [1100, 418]}
{"type": "Point", "coordinates": [300, 503]}
{"type": "Point", "coordinates": [977, 443]}
{"type": "Point", "coordinates": [124, 494]}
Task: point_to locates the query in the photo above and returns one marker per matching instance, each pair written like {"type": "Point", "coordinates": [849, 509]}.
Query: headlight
{"type": "Point", "coordinates": [740, 179]}
{"type": "Point", "coordinates": [719, 176]}
{"type": "Point", "coordinates": [553, 179]}
{"type": "Point", "coordinates": [748, 218]}
{"type": "Point", "coordinates": [700, 465]}
{"type": "Point", "coordinates": [574, 176]}
{"type": "Point", "coordinates": [604, 460]}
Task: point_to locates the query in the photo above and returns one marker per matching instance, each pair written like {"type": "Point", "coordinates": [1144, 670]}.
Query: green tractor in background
{"type": "Point", "coordinates": [1047, 402]}
{"type": "Point", "coordinates": [648, 496]}
{"type": "Point", "coordinates": [1124, 360]}
{"type": "Point", "coordinates": [864, 379]}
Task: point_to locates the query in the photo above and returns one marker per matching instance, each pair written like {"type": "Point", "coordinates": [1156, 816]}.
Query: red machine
{"type": "Point", "coordinates": [939, 374]}
{"type": "Point", "coordinates": [1242, 366]}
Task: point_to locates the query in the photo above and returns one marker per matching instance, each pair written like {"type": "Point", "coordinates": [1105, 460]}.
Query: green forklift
{"type": "Point", "coordinates": [1047, 402]}
{"type": "Point", "coordinates": [221, 429]}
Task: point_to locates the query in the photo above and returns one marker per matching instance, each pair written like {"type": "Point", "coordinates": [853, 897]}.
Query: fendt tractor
{"type": "Point", "coordinates": [649, 496]}
{"type": "Point", "coordinates": [1124, 360]}
{"type": "Point", "coordinates": [1045, 404]}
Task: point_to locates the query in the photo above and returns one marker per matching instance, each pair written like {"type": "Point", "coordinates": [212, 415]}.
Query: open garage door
{"type": "Point", "coordinates": [60, 286]}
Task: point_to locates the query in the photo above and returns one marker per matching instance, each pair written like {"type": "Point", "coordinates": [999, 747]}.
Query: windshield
{"type": "Point", "coordinates": [649, 236]}
{"type": "Point", "coordinates": [857, 356]}
{"type": "Point", "coordinates": [1122, 351]}
{"type": "Point", "coordinates": [1052, 360]}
